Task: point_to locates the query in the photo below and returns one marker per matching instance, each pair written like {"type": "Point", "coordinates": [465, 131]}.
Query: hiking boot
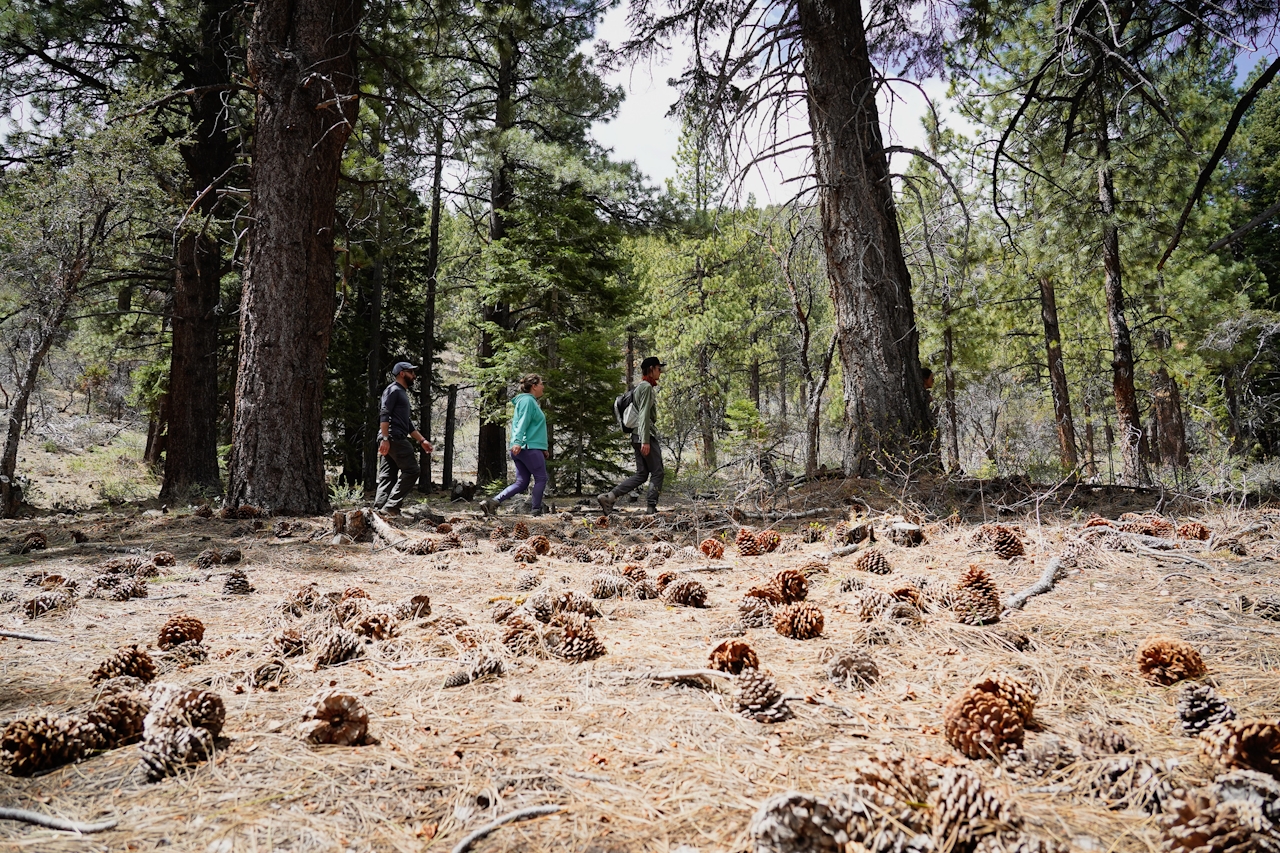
{"type": "Point", "coordinates": [538, 510]}
{"type": "Point", "coordinates": [653, 509]}
{"type": "Point", "coordinates": [606, 501]}
{"type": "Point", "coordinates": [489, 506]}
{"type": "Point", "coordinates": [392, 511]}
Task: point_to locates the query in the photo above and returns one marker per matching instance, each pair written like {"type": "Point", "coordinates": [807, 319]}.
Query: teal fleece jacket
{"type": "Point", "coordinates": [529, 425]}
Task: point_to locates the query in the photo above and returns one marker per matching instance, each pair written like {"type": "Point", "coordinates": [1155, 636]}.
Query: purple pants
{"type": "Point", "coordinates": [530, 464]}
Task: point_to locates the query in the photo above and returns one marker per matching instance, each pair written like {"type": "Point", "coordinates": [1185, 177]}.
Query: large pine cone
{"type": "Point", "coordinates": [520, 530]}
{"type": "Point", "coordinates": [1020, 698]}
{"type": "Point", "coordinates": [1193, 530]}
{"type": "Point", "coordinates": [523, 634]}
{"type": "Point", "coordinates": [336, 718]}
{"type": "Point", "coordinates": [800, 621]}
{"type": "Point", "coordinates": [1198, 822]}
{"type": "Point", "coordinates": [129, 660]}
{"type": "Point", "coordinates": [413, 607]}
{"type": "Point", "coordinates": [185, 655]}
{"type": "Point", "coordinates": [757, 697]}
{"type": "Point", "coordinates": [981, 724]}
{"type": "Point", "coordinates": [874, 561]}
{"type": "Point", "coordinates": [571, 637]}
{"type": "Point", "coordinates": [1257, 790]}
{"type": "Point", "coordinates": [977, 599]}
{"type": "Point", "coordinates": [1244, 745]}
{"type": "Point", "coordinates": [747, 544]}
{"type": "Point", "coordinates": [872, 603]}
{"type": "Point", "coordinates": [166, 751]}
{"type": "Point", "coordinates": [208, 558]}
{"type": "Point", "coordinates": [755, 612]}
{"type": "Point", "coordinates": [1199, 707]}
{"type": "Point", "coordinates": [1007, 545]}
{"type": "Point", "coordinates": [336, 646]}
{"type": "Point", "coordinates": [895, 774]}
{"type": "Point", "coordinates": [861, 818]}
{"type": "Point", "coordinates": [115, 721]}
{"type": "Point", "coordinates": [733, 656]}
{"type": "Point", "coordinates": [1165, 660]}
{"type": "Point", "coordinates": [377, 624]}
{"type": "Point", "coordinates": [524, 554]}
{"type": "Point", "coordinates": [541, 545]}
{"type": "Point", "coordinates": [572, 601]}
{"type": "Point", "coordinates": [713, 548]}
{"type": "Point", "coordinates": [174, 707]}
{"type": "Point", "coordinates": [853, 669]}
{"type": "Point", "coordinates": [685, 592]}
{"type": "Point", "coordinates": [62, 598]}
{"type": "Point", "coordinates": [40, 742]}
{"type": "Point", "coordinates": [768, 540]}
{"type": "Point", "coordinates": [610, 586]}
{"type": "Point", "coordinates": [789, 586]}
{"type": "Point", "coordinates": [965, 810]}
{"type": "Point", "coordinates": [237, 583]}
{"type": "Point", "coordinates": [1103, 741]}
{"type": "Point", "coordinates": [1267, 607]}
{"type": "Point", "coordinates": [526, 581]}
{"type": "Point", "coordinates": [180, 629]}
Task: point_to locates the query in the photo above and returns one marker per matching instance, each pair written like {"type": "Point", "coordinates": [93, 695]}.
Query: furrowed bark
{"type": "Point", "coordinates": [1058, 375]}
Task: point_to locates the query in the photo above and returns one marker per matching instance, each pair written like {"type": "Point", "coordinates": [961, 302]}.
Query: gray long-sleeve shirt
{"type": "Point", "coordinates": [396, 410]}
{"type": "Point", "coordinates": [644, 398]}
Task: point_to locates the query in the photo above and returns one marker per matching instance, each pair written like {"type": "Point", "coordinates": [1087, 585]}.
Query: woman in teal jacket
{"type": "Point", "coordinates": [528, 447]}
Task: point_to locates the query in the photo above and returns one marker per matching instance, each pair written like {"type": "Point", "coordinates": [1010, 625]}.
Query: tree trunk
{"type": "Point", "coordinates": [426, 386]}
{"type": "Point", "coordinates": [949, 377]}
{"type": "Point", "coordinates": [1167, 402]}
{"type": "Point", "coordinates": [706, 417]}
{"type": "Point", "coordinates": [191, 443]}
{"type": "Point", "coordinates": [1058, 376]}
{"type": "Point", "coordinates": [886, 411]}
{"type": "Point", "coordinates": [1128, 419]}
{"type": "Point", "coordinates": [302, 61]}
{"type": "Point", "coordinates": [631, 357]}
{"type": "Point", "coordinates": [373, 379]}
{"type": "Point", "coordinates": [153, 454]}
{"type": "Point", "coordinates": [451, 407]}
{"type": "Point", "coordinates": [1091, 462]}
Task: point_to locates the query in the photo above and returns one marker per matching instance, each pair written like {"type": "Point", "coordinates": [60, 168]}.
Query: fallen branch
{"type": "Point", "coordinates": [1173, 575]}
{"type": "Point", "coordinates": [784, 514]}
{"type": "Point", "coordinates": [844, 550]}
{"type": "Point", "coordinates": [1053, 572]}
{"type": "Point", "coordinates": [519, 814]}
{"type": "Point", "coordinates": [710, 569]}
{"type": "Point", "coordinates": [55, 822]}
{"type": "Point", "coordinates": [1165, 555]}
{"type": "Point", "coordinates": [702, 677]}
{"type": "Point", "coordinates": [35, 638]}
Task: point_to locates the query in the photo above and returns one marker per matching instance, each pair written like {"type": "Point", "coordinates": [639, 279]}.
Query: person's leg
{"type": "Point", "coordinates": [522, 476]}
{"type": "Point", "coordinates": [637, 479]}
{"type": "Point", "coordinates": [406, 459]}
{"type": "Point", "coordinates": [656, 474]}
{"type": "Point", "coordinates": [537, 464]}
{"type": "Point", "coordinates": [387, 472]}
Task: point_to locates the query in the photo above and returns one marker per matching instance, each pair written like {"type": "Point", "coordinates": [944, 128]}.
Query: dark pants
{"type": "Point", "coordinates": [530, 465]}
{"type": "Point", "coordinates": [647, 468]}
{"type": "Point", "coordinates": [399, 468]}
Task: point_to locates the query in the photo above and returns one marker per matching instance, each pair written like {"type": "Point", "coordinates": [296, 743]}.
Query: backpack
{"type": "Point", "coordinates": [624, 411]}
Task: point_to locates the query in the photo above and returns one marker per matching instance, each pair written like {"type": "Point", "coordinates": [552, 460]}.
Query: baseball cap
{"type": "Point", "coordinates": [402, 366]}
{"type": "Point", "coordinates": [651, 361]}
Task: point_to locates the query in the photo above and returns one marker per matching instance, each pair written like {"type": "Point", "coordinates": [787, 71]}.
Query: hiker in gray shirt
{"type": "Point", "coordinates": [644, 440]}
{"type": "Point", "coordinates": [398, 442]}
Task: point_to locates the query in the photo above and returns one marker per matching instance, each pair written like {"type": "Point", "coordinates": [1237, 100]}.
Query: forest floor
{"type": "Point", "coordinates": [636, 764]}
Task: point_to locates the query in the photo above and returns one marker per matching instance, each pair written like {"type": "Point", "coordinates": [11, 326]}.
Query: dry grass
{"type": "Point", "coordinates": [638, 765]}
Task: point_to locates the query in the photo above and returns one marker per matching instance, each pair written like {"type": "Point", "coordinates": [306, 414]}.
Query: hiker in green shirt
{"type": "Point", "coordinates": [644, 440]}
{"type": "Point", "coordinates": [529, 449]}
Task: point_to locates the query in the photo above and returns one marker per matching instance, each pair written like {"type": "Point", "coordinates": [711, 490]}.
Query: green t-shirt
{"type": "Point", "coordinates": [529, 425]}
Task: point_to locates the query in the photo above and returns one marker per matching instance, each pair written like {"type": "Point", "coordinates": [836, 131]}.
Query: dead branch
{"type": "Point", "coordinates": [700, 677]}
{"type": "Point", "coordinates": [777, 516]}
{"type": "Point", "coordinates": [519, 814]}
{"type": "Point", "coordinates": [35, 638]}
{"type": "Point", "coordinates": [48, 822]}
{"type": "Point", "coordinates": [1053, 573]}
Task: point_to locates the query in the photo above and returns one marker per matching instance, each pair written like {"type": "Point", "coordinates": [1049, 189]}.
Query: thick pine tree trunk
{"type": "Point", "coordinates": [886, 409]}
{"type": "Point", "coordinates": [949, 371]}
{"type": "Point", "coordinates": [426, 385]}
{"type": "Point", "coordinates": [302, 61]}
{"type": "Point", "coordinates": [191, 443]}
{"type": "Point", "coordinates": [1058, 376]}
{"type": "Point", "coordinates": [1167, 403]}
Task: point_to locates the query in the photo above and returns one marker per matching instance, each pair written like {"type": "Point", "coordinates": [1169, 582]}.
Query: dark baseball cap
{"type": "Point", "coordinates": [402, 366]}
{"type": "Point", "coordinates": [651, 362]}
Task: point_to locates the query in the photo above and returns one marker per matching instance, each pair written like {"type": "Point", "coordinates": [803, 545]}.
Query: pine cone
{"type": "Point", "coordinates": [526, 581]}
{"type": "Point", "coordinates": [713, 548]}
{"type": "Point", "coordinates": [333, 717]}
{"type": "Point", "coordinates": [498, 533]}
{"type": "Point", "coordinates": [977, 599]}
{"type": "Point", "coordinates": [1045, 757]}
{"type": "Point", "coordinates": [1019, 697]}
{"type": "Point", "coordinates": [269, 675]}
{"type": "Point", "coordinates": [1243, 745]}
{"type": "Point", "coordinates": [733, 656]}
{"type": "Point", "coordinates": [523, 633]}
{"type": "Point", "coordinates": [1193, 530]}
{"type": "Point", "coordinates": [861, 818]}
{"type": "Point", "coordinates": [1200, 706]}
{"type": "Point", "coordinates": [768, 541]}
{"type": "Point", "coordinates": [1007, 545]}
{"type": "Point", "coordinates": [208, 558]}
{"type": "Point", "coordinates": [1256, 790]}
{"type": "Point", "coordinates": [981, 724]}
{"type": "Point", "coordinates": [790, 586]}
{"type": "Point", "coordinates": [33, 541]}
{"type": "Point", "coordinates": [572, 638]}
{"type": "Point", "coordinates": [910, 595]}
{"type": "Point", "coordinates": [180, 629]}
{"type": "Point", "coordinates": [602, 521]}
{"type": "Point", "coordinates": [894, 774]}
{"type": "Point", "coordinates": [166, 751]}
{"type": "Point", "coordinates": [128, 565]}
{"type": "Point", "coordinates": [638, 552]}
{"type": "Point", "coordinates": [1010, 637]}
{"type": "Point", "coordinates": [237, 583]}
{"type": "Point", "coordinates": [40, 742]}
{"type": "Point", "coordinates": [755, 612]}
{"type": "Point", "coordinates": [336, 646]}
{"type": "Point", "coordinates": [571, 601]}
{"type": "Point", "coordinates": [758, 698]}
{"type": "Point", "coordinates": [609, 586]}
{"type": "Point", "coordinates": [645, 590]}
{"type": "Point", "coordinates": [1132, 782]}
{"type": "Point", "coordinates": [964, 810]}
{"type": "Point", "coordinates": [685, 592]}
{"type": "Point", "coordinates": [62, 598]}
{"type": "Point", "coordinates": [799, 621]}
{"type": "Point", "coordinates": [873, 561]}
{"type": "Point", "coordinates": [413, 607]}
{"type": "Point", "coordinates": [377, 624]}
{"type": "Point", "coordinates": [459, 678]}
{"type": "Point", "coordinates": [1267, 607]}
{"type": "Point", "coordinates": [1098, 742]}
{"type": "Point", "coordinates": [851, 584]}
{"type": "Point", "coordinates": [232, 555]}
{"type": "Point", "coordinates": [525, 554]}
{"type": "Point", "coordinates": [115, 721]}
{"type": "Point", "coordinates": [872, 603]}
{"type": "Point", "coordinates": [853, 669]}
{"type": "Point", "coordinates": [747, 544]}
{"type": "Point", "coordinates": [1164, 660]}
{"type": "Point", "coordinates": [520, 530]}
{"type": "Point", "coordinates": [174, 707]}
{"type": "Point", "coordinates": [188, 654]}
{"type": "Point", "coordinates": [1199, 823]}
{"type": "Point", "coordinates": [129, 660]}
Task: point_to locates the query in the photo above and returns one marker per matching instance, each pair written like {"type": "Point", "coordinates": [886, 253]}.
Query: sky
{"type": "Point", "coordinates": [642, 131]}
